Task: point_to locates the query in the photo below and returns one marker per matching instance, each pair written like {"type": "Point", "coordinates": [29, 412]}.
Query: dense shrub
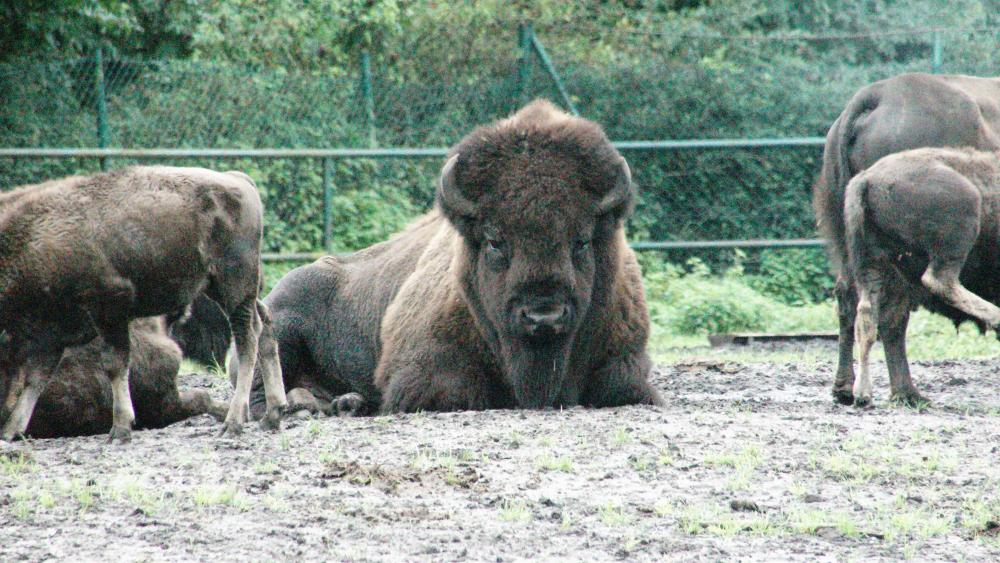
{"type": "Point", "coordinates": [695, 302]}
{"type": "Point", "coordinates": [793, 276]}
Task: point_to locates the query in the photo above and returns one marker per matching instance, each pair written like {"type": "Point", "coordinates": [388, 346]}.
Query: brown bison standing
{"type": "Point", "coordinates": [83, 256]}
{"type": "Point", "coordinates": [78, 401]}
{"type": "Point", "coordinates": [905, 112]}
{"type": "Point", "coordinates": [922, 227]}
{"type": "Point", "coordinates": [518, 291]}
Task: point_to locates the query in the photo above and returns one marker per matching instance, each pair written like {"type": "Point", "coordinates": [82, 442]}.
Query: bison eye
{"type": "Point", "coordinates": [581, 245]}
{"type": "Point", "coordinates": [496, 247]}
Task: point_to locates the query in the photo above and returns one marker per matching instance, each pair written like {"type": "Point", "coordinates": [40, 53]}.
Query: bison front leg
{"type": "Point", "coordinates": [847, 304]}
{"type": "Point", "coordinates": [16, 383]}
{"type": "Point", "coordinates": [115, 358]}
{"type": "Point", "coordinates": [246, 323]}
{"type": "Point", "coordinates": [35, 372]}
{"type": "Point", "coordinates": [623, 381]}
{"type": "Point", "coordinates": [274, 386]}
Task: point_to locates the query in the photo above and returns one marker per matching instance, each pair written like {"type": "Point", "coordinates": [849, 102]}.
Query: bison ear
{"type": "Point", "coordinates": [453, 202]}
{"type": "Point", "coordinates": [619, 198]}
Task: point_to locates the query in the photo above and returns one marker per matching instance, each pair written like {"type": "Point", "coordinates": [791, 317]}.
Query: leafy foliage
{"type": "Point", "coordinates": [199, 73]}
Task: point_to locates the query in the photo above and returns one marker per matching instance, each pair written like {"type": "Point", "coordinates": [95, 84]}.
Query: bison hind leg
{"type": "Point", "coordinates": [865, 332]}
{"type": "Point", "coordinates": [847, 304]}
{"type": "Point", "coordinates": [942, 281]}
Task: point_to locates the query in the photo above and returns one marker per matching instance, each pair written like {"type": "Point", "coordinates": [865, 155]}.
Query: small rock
{"type": "Point", "coordinates": [828, 532]}
{"type": "Point", "coordinates": [739, 505]}
{"type": "Point", "coordinates": [811, 498]}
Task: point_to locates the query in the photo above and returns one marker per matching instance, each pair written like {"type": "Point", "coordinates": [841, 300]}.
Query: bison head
{"type": "Point", "coordinates": [537, 200]}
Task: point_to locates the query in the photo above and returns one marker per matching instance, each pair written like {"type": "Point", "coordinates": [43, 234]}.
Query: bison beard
{"type": "Point", "coordinates": [537, 370]}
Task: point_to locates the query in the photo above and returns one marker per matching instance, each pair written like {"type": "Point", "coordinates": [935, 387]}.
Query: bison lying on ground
{"type": "Point", "coordinates": [78, 401]}
{"type": "Point", "coordinates": [83, 256]}
{"type": "Point", "coordinates": [905, 112]}
{"type": "Point", "coordinates": [519, 290]}
{"type": "Point", "coordinates": [203, 334]}
{"type": "Point", "coordinates": [922, 228]}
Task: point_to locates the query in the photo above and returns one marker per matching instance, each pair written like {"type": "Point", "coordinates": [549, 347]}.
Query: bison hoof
{"type": "Point", "coordinates": [911, 399]}
{"type": "Point", "coordinates": [120, 434]}
{"type": "Point", "coordinates": [272, 420]}
{"type": "Point", "coordinates": [864, 403]}
{"type": "Point", "coordinates": [349, 404]}
{"type": "Point", "coordinates": [843, 396]}
{"type": "Point", "coordinates": [231, 429]}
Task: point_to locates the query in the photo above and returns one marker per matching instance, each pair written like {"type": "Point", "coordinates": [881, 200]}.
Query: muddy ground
{"type": "Point", "coordinates": [747, 460]}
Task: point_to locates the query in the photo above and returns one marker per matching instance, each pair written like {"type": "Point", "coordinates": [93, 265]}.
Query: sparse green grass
{"type": "Point", "coordinates": [547, 462]}
{"type": "Point", "coordinates": [190, 366]}
{"type": "Point", "coordinates": [426, 459]}
{"type": "Point", "coordinates": [136, 493]}
{"type": "Point", "coordinates": [16, 465]}
{"type": "Point", "coordinates": [623, 436]}
{"type": "Point", "coordinates": [716, 521]}
{"type": "Point", "coordinates": [515, 511]}
{"type": "Point", "coordinates": [978, 512]}
{"type": "Point", "coordinates": [218, 495]}
{"type": "Point", "coordinates": [907, 524]}
{"type": "Point", "coordinates": [743, 464]}
{"type": "Point", "coordinates": [614, 515]}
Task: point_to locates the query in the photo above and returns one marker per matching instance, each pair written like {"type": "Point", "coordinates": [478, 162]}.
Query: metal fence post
{"type": "Point", "coordinates": [524, 35]}
{"type": "Point", "coordinates": [327, 203]}
{"type": "Point", "coordinates": [936, 53]}
{"type": "Point", "coordinates": [369, 97]}
{"type": "Point", "coordinates": [551, 70]}
{"type": "Point", "coordinates": [102, 108]}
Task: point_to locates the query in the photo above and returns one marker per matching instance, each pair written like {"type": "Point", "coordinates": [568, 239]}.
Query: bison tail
{"type": "Point", "coordinates": [829, 189]}
{"type": "Point", "coordinates": [854, 223]}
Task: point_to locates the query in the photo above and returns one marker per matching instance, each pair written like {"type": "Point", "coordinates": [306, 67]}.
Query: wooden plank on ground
{"type": "Point", "coordinates": [747, 338]}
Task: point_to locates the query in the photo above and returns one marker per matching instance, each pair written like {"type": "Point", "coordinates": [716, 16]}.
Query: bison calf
{"type": "Point", "coordinates": [922, 228]}
{"type": "Point", "coordinates": [83, 256]}
{"type": "Point", "coordinates": [79, 401]}
{"type": "Point", "coordinates": [519, 290]}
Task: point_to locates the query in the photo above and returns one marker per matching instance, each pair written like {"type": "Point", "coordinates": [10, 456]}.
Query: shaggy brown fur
{"type": "Point", "coordinates": [520, 291]}
{"type": "Point", "coordinates": [78, 401]}
{"type": "Point", "coordinates": [83, 256]}
{"type": "Point", "coordinates": [203, 334]}
{"type": "Point", "coordinates": [905, 112]}
{"type": "Point", "coordinates": [922, 228]}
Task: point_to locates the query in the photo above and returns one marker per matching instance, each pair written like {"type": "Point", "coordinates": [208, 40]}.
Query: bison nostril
{"type": "Point", "coordinates": [553, 317]}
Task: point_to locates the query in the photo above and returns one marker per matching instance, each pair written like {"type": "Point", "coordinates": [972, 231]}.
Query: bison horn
{"type": "Point", "coordinates": [619, 195]}
{"type": "Point", "coordinates": [450, 196]}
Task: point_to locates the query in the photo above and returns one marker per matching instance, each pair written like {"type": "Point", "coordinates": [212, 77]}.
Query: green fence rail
{"type": "Point", "coordinates": [324, 157]}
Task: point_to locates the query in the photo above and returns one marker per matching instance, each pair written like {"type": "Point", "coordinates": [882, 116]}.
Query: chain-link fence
{"type": "Point", "coordinates": [651, 87]}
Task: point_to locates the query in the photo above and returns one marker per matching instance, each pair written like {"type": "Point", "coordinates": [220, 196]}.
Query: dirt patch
{"type": "Point", "coordinates": [747, 460]}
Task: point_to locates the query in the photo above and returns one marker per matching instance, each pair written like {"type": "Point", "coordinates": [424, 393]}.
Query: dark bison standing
{"type": "Point", "coordinates": [901, 113]}
{"type": "Point", "coordinates": [519, 290]}
{"type": "Point", "coordinates": [922, 228]}
{"type": "Point", "coordinates": [83, 256]}
{"type": "Point", "coordinates": [78, 400]}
